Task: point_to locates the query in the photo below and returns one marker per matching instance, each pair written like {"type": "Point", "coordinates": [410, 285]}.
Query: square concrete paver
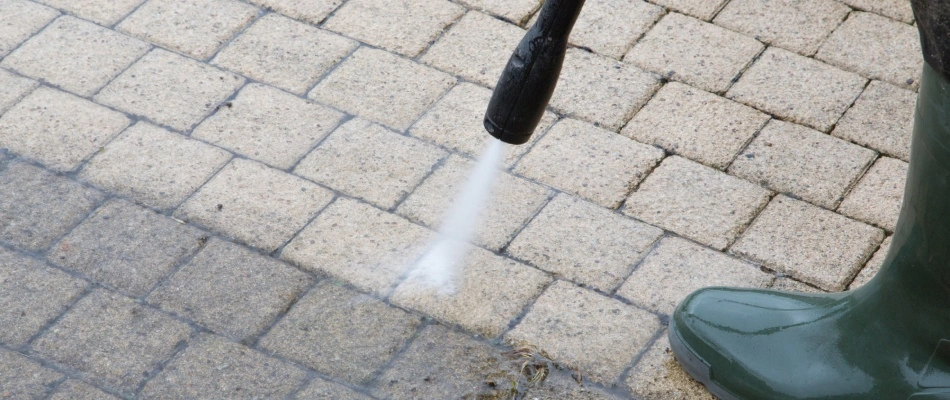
{"type": "Point", "coordinates": [193, 27]}
{"type": "Point", "coordinates": [873, 266]}
{"type": "Point", "coordinates": [402, 26]}
{"type": "Point", "coordinates": [76, 389]}
{"type": "Point", "coordinates": [456, 122]}
{"type": "Point", "coordinates": [583, 330]}
{"type": "Point", "coordinates": [476, 48]}
{"type": "Point", "coordinates": [358, 244]}
{"type": "Point", "coordinates": [31, 296]}
{"type": "Point", "coordinates": [491, 291]}
{"type": "Point", "coordinates": [268, 125]}
{"type": "Point", "coordinates": [896, 9]}
{"type": "Point", "coordinates": [126, 247]}
{"type": "Point", "coordinates": [610, 27]}
{"type": "Point", "coordinates": [24, 378]}
{"type": "Point", "coordinates": [312, 11]}
{"type": "Point", "coordinates": [382, 87]}
{"type": "Point", "coordinates": [231, 290]}
{"type": "Point", "coordinates": [876, 47]}
{"type": "Point", "coordinates": [658, 376]}
{"type": "Point", "coordinates": [170, 89]}
{"type": "Point", "coordinates": [284, 53]}
{"type": "Point", "coordinates": [26, 218]}
{"type": "Point", "coordinates": [20, 19]}
{"type": "Point", "coordinates": [699, 53]}
{"type": "Point", "coordinates": [112, 341]}
{"type": "Point", "coordinates": [808, 164]}
{"type": "Point", "coordinates": [601, 90]}
{"type": "Point", "coordinates": [442, 364]}
{"type": "Point", "coordinates": [584, 242]}
{"type": "Point", "coordinates": [212, 367]}
{"type": "Point", "coordinates": [154, 166]}
{"type": "Point", "coordinates": [881, 119]}
{"type": "Point", "coordinates": [77, 126]}
{"type": "Point", "coordinates": [341, 333]}
{"type": "Point", "coordinates": [76, 55]}
{"type": "Point", "coordinates": [876, 199]}
{"type": "Point", "coordinates": [366, 160]}
{"type": "Point", "coordinates": [799, 26]}
{"type": "Point", "coordinates": [677, 267]}
{"type": "Point", "coordinates": [702, 9]}
{"type": "Point", "coordinates": [786, 283]}
{"type": "Point", "coordinates": [695, 124]}
{"type": "Point", "coordinates": [591, 162]}
{"type": "Point", "coordinates": [516, 11]}
{"type": "Point", "coordinates": [513, 202]}
{"type": "Point", "coordinates": [809, 243]}
{"type": "Point", "coordinates": [13, 88]}
{"type": "Point", "coordinates": [255, 204]}
{"type": "Point", "coordinates": [103, 13]}
{"type": "Point", "coordinates": [798, 89]}
{"type": "Point", "coordinates": [319, 389]}
{"type": "Point", "coordinates": [696, 201]}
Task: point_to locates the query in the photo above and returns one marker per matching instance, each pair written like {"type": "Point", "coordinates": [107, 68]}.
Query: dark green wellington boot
{"type": "Point", "coordinates": [889, 339]}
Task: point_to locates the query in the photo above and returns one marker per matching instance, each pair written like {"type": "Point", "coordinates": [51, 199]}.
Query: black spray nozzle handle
{"type": "Point", "coordinates": [528, 81]}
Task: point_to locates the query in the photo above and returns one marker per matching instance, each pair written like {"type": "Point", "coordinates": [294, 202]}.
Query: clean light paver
{"type": "Point", "coordinates": [582, 329]}
{"type": "Point", "coordinates": [13, 88]}
{"type": "Point", "coordinates": [698, 53]}
{"type": "Point", "coordinates": [799, 26]}
{"type": "Point", "coordinates": [193, 27]}
{"type": "Point", "coordinates": [695, 124]}
{"type": "Point", "coordinates": [255, 204]}
{"type": "Point", "coordinates": [591, 162]}
{"type": "Point", "coordinates": [76, 55]}
{"type": "Point", "coordinates": [657, 376]}
{"type": "Point", "coordinates": [584, 242]}
{"type": "Point", "coordinates": [20, 19]}
{"type": "Point", "coordinates": [26, 220]}
{"type": "Point", "coordinates": [896, 9]}
{"type": "Point", "coordinates": [103, 13]}
{"type": "Point", "coordinates": [513, 10]}
{"type": "Point", "coordinates": [312, 11]}
{"type": "Point", "coordinates": [476, 48]}
{"type": "Point", "coordinates": [876, 199]}
{"type": "Point", "coordinates": [514, 201]}
{"type": "Point", "coordinates": [126, 247]}
{"type": "Point", "coordinates": [610, 27]}
{"type": "Point", "coordinates": [797, 88]}
{"type": "Point", "coordinates": [76, 389]}
{"type": "Point", "coordinates": [232, 291]}
{"type": "Point", "coordinates": [882, 118]}
{"type": "Point", "coordinates": [368, 161]}
{"type": "Point", "coordinates": [353, 242]}
{"type": "Point", "coordinates": [873, 265]}
{"type": "Point", "coordinates": [405, 27]}
{"type": "Point", "coordinates": [677, 267]}
{"type": "Point", "coordinates": [154, 166]}
{"type": "Point", "coordinates": [790, 158]}
{"type": "Point", "coordinates": [25, 378]}
{"type": "Point", "coordinates": [285, 53]}
{"type": "Point", "coordinates": [702, 9]}
{"type": "Point", "coordinates": [490, 291]}
{"type": "Point", "coordinates": [814, 245]}
{"type": "Point", "coordinates": [341, 333]}
{"type": "Point", "coordinates": [112, 341]}
{"type": "Point", "coordinates": [212, 367]}
{"type": "Point", "coordinates": [696, 201]}
{"type": "Point", "coordinates": [77, 126]}
{"type": "Point", "coordinates": [382, 87]}
{"type": "Point", "coordinates": [876, 47]}
{"type": "Point", "coordinates": [31, 296]}
{"type": "Point", "coordinates": [169, 89]}
{"type": "Point", "coordinates": [268, 125]}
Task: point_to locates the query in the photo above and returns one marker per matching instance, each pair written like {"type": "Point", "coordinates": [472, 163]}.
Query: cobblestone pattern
{"type": "Point", "coordinates": [226, 196]}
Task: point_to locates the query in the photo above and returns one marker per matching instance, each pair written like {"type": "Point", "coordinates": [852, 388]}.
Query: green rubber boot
{"type": "Point", "coordinates": [889, 339]}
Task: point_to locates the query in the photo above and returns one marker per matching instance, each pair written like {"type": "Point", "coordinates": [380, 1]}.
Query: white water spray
{"type": "Point", "coordinates": [441, 264]}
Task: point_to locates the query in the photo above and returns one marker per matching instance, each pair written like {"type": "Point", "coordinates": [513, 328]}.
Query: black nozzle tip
{"type": "Point", "coordinates": [505, 135]}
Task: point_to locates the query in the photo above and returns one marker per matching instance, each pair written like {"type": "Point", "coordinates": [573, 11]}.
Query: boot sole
{"type": "Point", "coordinates": [695, 366]}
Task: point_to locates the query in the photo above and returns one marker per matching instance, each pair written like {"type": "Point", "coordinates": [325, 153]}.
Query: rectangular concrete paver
{"type": "Point", "coordinates": [799, 26]}
{"type": "Point", "coordinates": [319, 389]}
{"type": "Point", "coordinates": [584, 242]}
{"type": "Point", "coordinates": [876, 47]}
{"type": "Point", "coordinates": [702, 9]}
{"type": "Point", "coordinates": [657, 376]}
{"type": "Point", "coordinates": [230, 290]}
{"type": "Point", "coordinates": [809, 243]}
{"type": "Point", "coordinates": [78, 126]}
{"type": "Point", "coordinates": [103, 13]}
{"type": "Point", "coordinates": [112, 341]}
{"type": "Point", "coordinates": [876, 199]}
{"type": "Point", "coordinates": [882, 118]}
{"type": "Point", "coordinates": [585, 330]}
{"type": "Point", "coordinates": [341, 333]}
{"type": "Point", "coordinates": [591, 162]}
{"type": "Point", "coordinates": [402, 26]}
{"type": "Point", "coordinates": [76, 55]}
{"type": "Point", "coordinates": [154, 166]}
{"type": "Point", "coordinates": [213, 367]}
{"type": "Point", "coordinates": [76, 389]}
{"type": "Point", "coordinates": [896, 9]}
{"type": "Point", "coordinates": [873, 266]}
{"type": "Point", "coordinates": [20, 19]}
{"type": "Point", "coordinates": [610, 27]}
{"type": "Point", "coordinates": [476, 48]}
{"type": "Point", "coordinates": [516, 11]}
{"type": "Point", "coordinates": [255, 204]}
{"type": "Point", "coordinates": [312, 11]}
{"type": "Point", "coordinates": [126, 247]}
{"type": "Point", "coordinates": [13, 88]}
{"type": "Point", "coordinates": [23, 378]}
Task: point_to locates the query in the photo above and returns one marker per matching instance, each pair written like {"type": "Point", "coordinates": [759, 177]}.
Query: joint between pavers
{"type": "Point", "coordinates": [38, 31]}
{"type": "Point", "coordinates": [824, 40]}
{"type": "Point", "coordinates": [735, 79]}
{"type": "Point", "coordinates": [643, 256]}
{"type": "Point", "coordinates": [66, 373]}
{"type": "Point", "coordinates": [126, 16]}
{"type": "Point", "coordinates": [504, 248]}
{"type": "Point", "coordinates": [435, 167]}
{"type": "Point", "coordinates": [372, 381]}
{"type": "Point", "coordinates": [182, 261]}
{"type": "Point", "coordinates": [848, 189]}
{"type": "Point", "coordinates": [260, 14]}
{"type": "Point", "coordinates": [90, 287]}
{"type": "Point", "coordinates": [334, 67]}
{"type": "Point", "coordinates": [636, 360]}
{"type": "Point", "coordinates": [346, 118]}
{"type": "Point", "coordinates": [418, 57]}
{"type": "Point", "coordinates": [179, 348]}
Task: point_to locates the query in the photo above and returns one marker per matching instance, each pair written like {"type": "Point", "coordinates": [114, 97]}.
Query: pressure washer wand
{"type": "Point", "coordinates": [528, 81]}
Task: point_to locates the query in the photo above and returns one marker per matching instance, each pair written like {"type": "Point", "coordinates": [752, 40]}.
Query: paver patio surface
{"type": "Point", "coordinates": [225, 198]}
